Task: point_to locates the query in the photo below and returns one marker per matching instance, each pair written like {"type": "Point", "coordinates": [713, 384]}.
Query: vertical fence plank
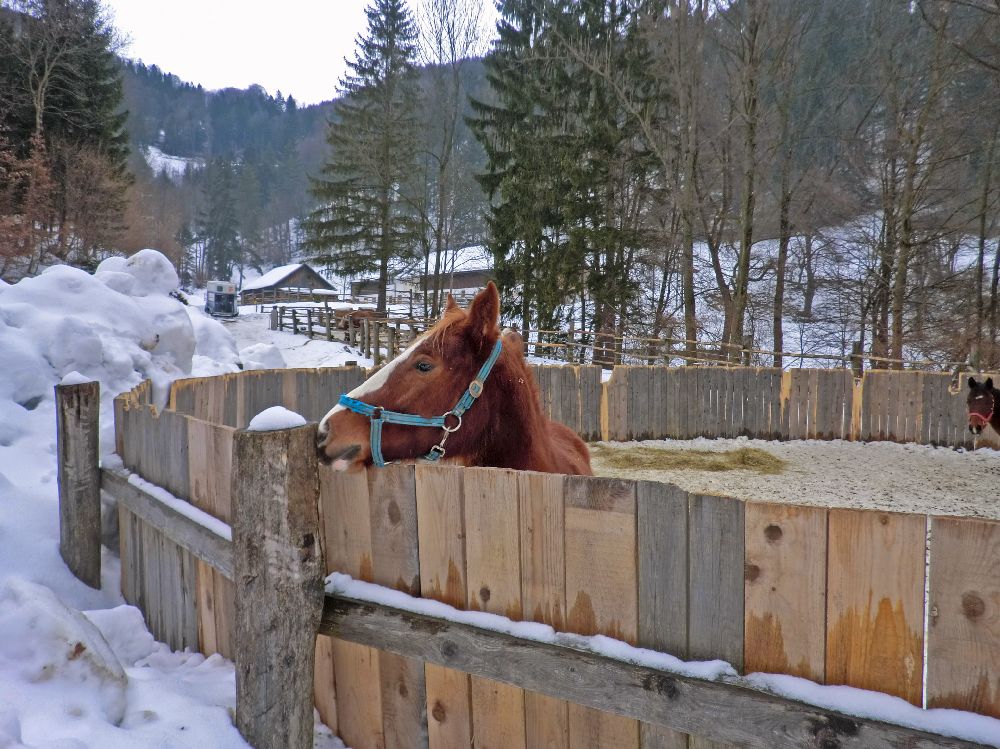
{"type": "Point", "coordinates": [715, 554]}
{"type": "Point", "coordinates": [441, 526]}
{"type": "Point", "coordinates": [493, 577]}
{"type": "Point", "coordinates": [875, 601]}
{"type": "Point", "coordinates": [324, 686]}
{"type": "Point", "coordinates": [617, 399]}
{"type": "Point", "coordinates": [395, 564]}
{"type": "Point", "coordinates": [347, 535]}
{"type": "Point", "coordinates": [662, 545]}
{"type": "Point", "coordinates": [543, 591]}
{"type": "Point", "coordinates": [590, 402]}
{"type": "Point", "coordinates": [773, 379]}
{"type": "Point", "coordinates": [601, 588]}
{"type": "Point", "coordinates": [963, 648]}
{"type": "Point", "coordinates": [715, 558]}
{"type": "Point", "coordinates": [785, 598]}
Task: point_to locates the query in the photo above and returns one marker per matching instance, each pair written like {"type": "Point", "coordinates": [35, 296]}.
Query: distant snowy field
{"type": "Point", "coordinates": [96, 679]}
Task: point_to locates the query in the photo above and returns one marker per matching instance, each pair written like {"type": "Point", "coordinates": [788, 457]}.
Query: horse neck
{"type": "Point", "coordinates": [516, 434]}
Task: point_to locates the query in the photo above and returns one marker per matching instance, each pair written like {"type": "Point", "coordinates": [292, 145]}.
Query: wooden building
{"type": "Point", "coordinates": [287, 283]}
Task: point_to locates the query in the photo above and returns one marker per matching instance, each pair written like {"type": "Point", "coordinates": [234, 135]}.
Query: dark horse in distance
{"type": "Point", "coordinates": [982, 402]}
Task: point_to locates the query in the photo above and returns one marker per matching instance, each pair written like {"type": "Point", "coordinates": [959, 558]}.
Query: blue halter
{"type": "Point", "coordinates": [379, 416]}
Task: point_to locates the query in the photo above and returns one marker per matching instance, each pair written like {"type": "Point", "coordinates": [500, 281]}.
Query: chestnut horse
{"type": "Point", "coordinates": [983, 402]}
{"type": "Point", "coordinates": [461, 389]}
{"type": "Point", "coordinates": [354, 318]}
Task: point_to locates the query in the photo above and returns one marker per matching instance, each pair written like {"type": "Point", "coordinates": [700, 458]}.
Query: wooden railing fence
{"type": "Point", "coordinates": [833, 595]}
{"type": "Point", "coordinates": [658, 402]}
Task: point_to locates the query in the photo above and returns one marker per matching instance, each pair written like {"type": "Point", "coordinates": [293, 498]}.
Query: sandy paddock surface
{"type": "Point", "coordinates": [874, 475]}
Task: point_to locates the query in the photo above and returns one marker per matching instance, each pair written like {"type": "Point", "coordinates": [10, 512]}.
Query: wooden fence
{"type": "Point", "coordinates": [837, 596]}
{"type": "Point", "coordinates": [657, 402]}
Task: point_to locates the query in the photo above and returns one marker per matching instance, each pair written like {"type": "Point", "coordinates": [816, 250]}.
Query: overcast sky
{"type": "Point", "coordinates": [295, 46]}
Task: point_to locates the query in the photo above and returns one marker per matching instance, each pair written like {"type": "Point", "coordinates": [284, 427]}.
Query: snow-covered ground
{"type": "Point", "coordinates": [96, 679]}
{"type": "Point", "coordinates": [880, 475]}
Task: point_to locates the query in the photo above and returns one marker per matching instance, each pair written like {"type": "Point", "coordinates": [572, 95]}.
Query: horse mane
{"type": "Point", "coordinates": [437, 335]}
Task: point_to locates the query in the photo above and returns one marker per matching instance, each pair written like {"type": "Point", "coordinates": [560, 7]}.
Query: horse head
{"type": "Point", "coordinates": [982, 402]}
{"type": "Point", "coordinates": [413, 401]}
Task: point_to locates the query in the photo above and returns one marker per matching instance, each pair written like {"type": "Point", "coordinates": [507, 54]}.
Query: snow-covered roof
{"type": "Point", "coordinates": [475, 257]}
{"type": "Point", "coordinates": [272, 277]}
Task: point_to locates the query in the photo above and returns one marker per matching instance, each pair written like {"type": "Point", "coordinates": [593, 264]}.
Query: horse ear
{"type": "Point", "coordinates": [450, 304]}
{"type": "Point", "coordinates": [989, 383]}
{"type": "Point", "coordinates": [514, 340]}
{"type": "Point", "coordinates": [484, 314]}
{"type": "Point", "coordinates": [972, 383]}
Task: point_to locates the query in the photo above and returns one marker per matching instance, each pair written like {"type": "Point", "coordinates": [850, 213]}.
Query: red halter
{"type": "Point", "coordinates": [985, 420]}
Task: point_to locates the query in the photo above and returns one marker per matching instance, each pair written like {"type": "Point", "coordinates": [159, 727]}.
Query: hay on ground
{"type": "Point", "coordinates": [659, 458]}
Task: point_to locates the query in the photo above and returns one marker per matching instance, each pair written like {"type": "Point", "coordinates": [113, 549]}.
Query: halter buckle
{"type": "Point", "coordinates": [445, 426]}
{"type": "Point", "coordinates": [437, 451]}
{"type": "Point", "coordinates": [476, 388]}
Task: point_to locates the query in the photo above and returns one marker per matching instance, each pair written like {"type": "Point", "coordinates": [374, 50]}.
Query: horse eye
{"type": "Point", "coordinates": [424, 366]}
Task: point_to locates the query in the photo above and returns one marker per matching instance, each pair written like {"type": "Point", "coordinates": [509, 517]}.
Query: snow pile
{"type": "Point", "coordinates": [262, 356]}
{"type": "Point", "coordinates": [273, 418]}
{"type": "Point", "coordinates": [97, 679]}
{"type": "Point", "coordinates": [215, 347]}
{"type": "Point", "coordinates": [46, 643]}
{"type": "Point", "coordinates": [118, 326]}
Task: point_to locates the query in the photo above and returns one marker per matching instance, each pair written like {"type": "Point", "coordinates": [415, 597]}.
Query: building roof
{"type": "Point", "coordinates": [275, 276]}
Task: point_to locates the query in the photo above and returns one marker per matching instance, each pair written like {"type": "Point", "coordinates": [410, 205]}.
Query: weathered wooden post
{"type": "Point", "coordinates": [281, 318]}
{"type": "Point", "coordinates": [295, 321]}
{"type": "Point", "coordinates": [279, 584]}
{"type": "Point", "coordinates": [393, 335]}
{"type": "Point", "coordinates": [328, 321]}
{"type": "Point", "coordinates": [309, 322]}
{"type": "Point", "coordinates": [352, 331]}
{"type": "Point", "coordinates": [274, 319]}
{"type": "Point", "coordinates": [78, 410]}
{"type": "Point", "coordinates": [366, 337]}
{"type": "Point", "coordinates": [377, 342]}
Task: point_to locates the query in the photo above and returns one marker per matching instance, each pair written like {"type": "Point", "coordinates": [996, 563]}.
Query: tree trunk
{"type": "Point", "coordinates": [749, 85]}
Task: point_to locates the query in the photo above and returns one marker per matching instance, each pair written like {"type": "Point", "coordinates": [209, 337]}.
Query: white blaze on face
{"type": "Point", "coordinates": [372, 384]}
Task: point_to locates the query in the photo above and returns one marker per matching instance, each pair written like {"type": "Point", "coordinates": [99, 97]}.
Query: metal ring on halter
{"type": "Point", "coordinates": [454, 428]}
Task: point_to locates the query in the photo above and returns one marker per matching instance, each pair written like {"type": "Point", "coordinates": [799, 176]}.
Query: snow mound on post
{"type": "Point", "coordinates": [274, 418]}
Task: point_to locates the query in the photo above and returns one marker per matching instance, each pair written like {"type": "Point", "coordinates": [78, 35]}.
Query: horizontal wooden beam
{"type": "Point", "coordinates": [727, 712]}
{"type": "Point", "coordinates": [182, 530]}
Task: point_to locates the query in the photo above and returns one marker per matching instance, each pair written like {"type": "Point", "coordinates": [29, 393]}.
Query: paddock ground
{"type": "Point", "coordinates": [874, 475]}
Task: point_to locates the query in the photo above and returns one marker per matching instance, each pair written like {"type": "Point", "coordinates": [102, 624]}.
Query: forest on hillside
{"type": "Point", "coordinates": [779, 175]}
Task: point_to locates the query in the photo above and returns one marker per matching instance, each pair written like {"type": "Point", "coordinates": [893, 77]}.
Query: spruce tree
{"type": "Point", "coordinates": [566, 172]}
{"type": "Point", "coordinates": [364, 221]}
{"type": "Point", "coordinates": [218, 223]}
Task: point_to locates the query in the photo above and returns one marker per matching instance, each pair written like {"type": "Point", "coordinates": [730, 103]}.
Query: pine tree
{"type": "Point", "coordinates": [60, 80]}
{"type": "Point", "coordinates": [364, 221]}
{"type": "Point", "coordinates": [217, 222]}
{"type": "Point", "coordinates": [568, 178]}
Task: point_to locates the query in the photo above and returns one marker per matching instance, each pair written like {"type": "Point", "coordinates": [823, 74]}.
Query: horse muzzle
{"type": "Point", "coordinates": [340, 454]}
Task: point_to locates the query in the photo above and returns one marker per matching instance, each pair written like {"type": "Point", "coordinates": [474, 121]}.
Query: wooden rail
{"type": "Point", "coordinates": [726, 711]}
